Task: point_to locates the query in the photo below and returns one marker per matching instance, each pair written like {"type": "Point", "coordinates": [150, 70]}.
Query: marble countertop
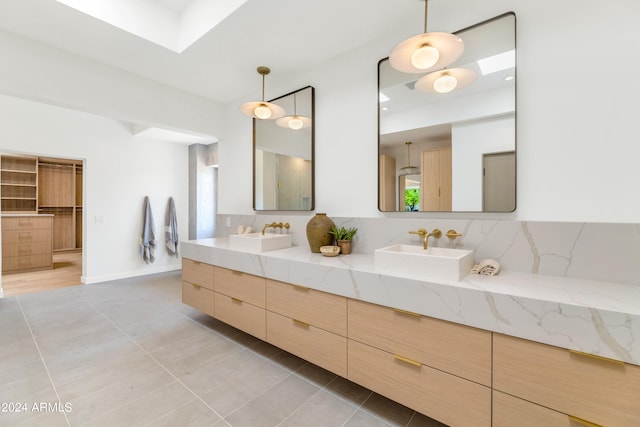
{"type": "Point", "coordinates": [594, 317]}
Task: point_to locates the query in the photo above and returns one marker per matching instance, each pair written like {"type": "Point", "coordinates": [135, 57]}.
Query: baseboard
{"type": "Point", "coordinates": [87, 280]}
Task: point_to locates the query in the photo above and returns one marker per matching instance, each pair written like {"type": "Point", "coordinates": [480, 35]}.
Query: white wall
{"type": "Point", "coordinates": [469, 142]}
{"type": "Point", "coordinates": [41, 73]}
{"type": "Point", "coordinates": [119, 171]}
{"type": "Point", "coordinates": [577, 106]}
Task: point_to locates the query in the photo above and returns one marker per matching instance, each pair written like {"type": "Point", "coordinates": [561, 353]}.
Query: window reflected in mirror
{"type": "Point", "coordinates": [283, 156]}
{"type": "Point", "coordinates": [462, 143]}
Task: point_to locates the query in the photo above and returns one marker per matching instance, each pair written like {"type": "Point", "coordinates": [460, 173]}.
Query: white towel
{"type": "Point", "coordinates": [172, 228]}
{"type": "Point", "coordinates": [148, 234]}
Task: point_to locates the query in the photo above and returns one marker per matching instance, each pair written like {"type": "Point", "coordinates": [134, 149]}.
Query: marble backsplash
{"type": "Point", "coordinates": [593, 251]}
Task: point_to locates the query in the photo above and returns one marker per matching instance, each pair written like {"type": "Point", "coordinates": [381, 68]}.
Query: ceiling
{"type": "Point", "coordinates": [289, 36]}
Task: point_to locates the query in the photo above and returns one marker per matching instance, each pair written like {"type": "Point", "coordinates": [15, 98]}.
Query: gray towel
{"type": "Point", "coordinates": [148, 234]}
{"type": "Point", "coordinates": [172, 228]}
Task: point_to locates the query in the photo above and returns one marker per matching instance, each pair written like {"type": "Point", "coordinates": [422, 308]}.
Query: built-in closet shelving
{"type": "Point", "coordinates": [60, 194]}
{"type": "Point", "coordinates": [19, 182]}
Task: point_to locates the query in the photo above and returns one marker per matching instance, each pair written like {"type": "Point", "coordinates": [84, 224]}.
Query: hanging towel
{"type": "Point", "coordinates": [172, 228]}
{"type": "Point", "coordinates": [148, 234]}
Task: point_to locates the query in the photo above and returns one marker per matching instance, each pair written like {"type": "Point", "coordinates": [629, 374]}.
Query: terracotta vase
{"type": "Point", "coordinates": [318, 234]}
{"type": "Point", "coordinates": [345, 246]}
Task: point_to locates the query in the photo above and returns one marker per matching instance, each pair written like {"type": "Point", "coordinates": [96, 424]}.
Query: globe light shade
{"type": "Point", "coordinates": [410, 56]}
{"type": "Point", "coordinates": [425, 57]}
{"type": "Point", "coordinates": [262, 110]}
{"type": "Point", "coordinates": [445, 81]}
{"type": "Point", "coordinates": [294, 122]}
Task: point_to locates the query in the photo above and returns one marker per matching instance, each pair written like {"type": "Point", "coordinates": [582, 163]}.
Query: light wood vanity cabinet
{"type": "Point", "coordinates": [323, 310]}
{"type": "Point", "coordinates": [438, 368]}
{"type": "Point", "coordinates": [197, 286]}
{"type": "Point", "coordinates": [241, 286]}
{"type": "Point", "coordinates": [453, 348]}
{"type": "Point", "coordinates": [509, 411]}
{"type": "Point", "coordinates": [240, 301]}
{"type": "Point", "coordinates": [599, 391]}
{"type": "Point", "coordinates": [308, 323]}
{"type": "Point", "coordinates": [459, 375]}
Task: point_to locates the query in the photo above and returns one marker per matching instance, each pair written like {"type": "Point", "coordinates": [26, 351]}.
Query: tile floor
{"type": "Point", "coordinates": [129, 353]}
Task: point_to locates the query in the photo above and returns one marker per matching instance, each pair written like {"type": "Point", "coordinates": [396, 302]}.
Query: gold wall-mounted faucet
{"type": "Point", "coordinates": [274, 225]}
{"type": "Point", "coordinates": [422, 232]}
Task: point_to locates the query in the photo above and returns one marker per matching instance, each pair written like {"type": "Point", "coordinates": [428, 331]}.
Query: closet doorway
{"type": "Point", "coordinates": [41, 223]}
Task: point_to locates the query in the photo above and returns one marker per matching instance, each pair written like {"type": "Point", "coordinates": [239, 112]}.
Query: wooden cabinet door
{"type": "Point", "coordinates": [601, 391]}
{"type": "Point", "coordinates": [436, 180]}
{"type": "Point", "coordinates": [387, 184]}
{"type": "Point", "coordinates": [317, 308]}
{"type": "Point", "coordinates": [457, 349]}
{"type": "Point", "coordinates": [444, 397]}
{"type": "Point", "coordinates": [198, 273]}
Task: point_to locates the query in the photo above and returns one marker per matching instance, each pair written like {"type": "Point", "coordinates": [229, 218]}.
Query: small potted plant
{"type": "Point", "coordinates": [343, 237]}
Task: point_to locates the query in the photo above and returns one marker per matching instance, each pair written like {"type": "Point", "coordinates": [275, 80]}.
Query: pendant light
{"type": "Point", "coordinates": [295, 121]}
{"type": "Point", "coordinates": [261, 109]}
{"type": "Point", "coordinates": [409, 170]}
{"type": "Point", "coordinates": [427, 51]}
{"type": "Point", "coordinates": [445, 81]}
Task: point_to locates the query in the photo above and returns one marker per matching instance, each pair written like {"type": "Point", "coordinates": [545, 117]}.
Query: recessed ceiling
{"type": "Point", "coordinates": [289, 36]}
{"type": "Point", "coordinates": [173, 24]}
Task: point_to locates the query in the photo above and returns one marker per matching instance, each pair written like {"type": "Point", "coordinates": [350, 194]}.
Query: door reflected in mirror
{"type": "Point", "coordinates": [463, 143]}
{"type": "Point", "coordinates": [283, 151]}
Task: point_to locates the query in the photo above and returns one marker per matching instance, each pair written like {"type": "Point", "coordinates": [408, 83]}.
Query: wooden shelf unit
{"type": "Point", "coordinates": [60, 194]}
{"type": "Point", "coordinates": [19, 183]}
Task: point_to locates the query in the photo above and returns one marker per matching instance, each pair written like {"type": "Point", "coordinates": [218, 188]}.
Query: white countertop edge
{"type": "Point", "coordinates": [599, 318]}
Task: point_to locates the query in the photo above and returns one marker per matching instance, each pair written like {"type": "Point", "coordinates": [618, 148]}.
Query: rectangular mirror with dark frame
{"type": "Point", "coordinates": [455, 151]}
{"type": "Point", "coordinates": [283, 155]}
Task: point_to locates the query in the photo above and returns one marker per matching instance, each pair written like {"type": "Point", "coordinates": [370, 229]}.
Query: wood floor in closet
{"type": "Point", "coordinates": [67, 269]}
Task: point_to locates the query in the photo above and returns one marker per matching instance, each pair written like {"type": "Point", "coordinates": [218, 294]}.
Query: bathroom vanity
{"type": "Point", "coordinates": [483, 351]}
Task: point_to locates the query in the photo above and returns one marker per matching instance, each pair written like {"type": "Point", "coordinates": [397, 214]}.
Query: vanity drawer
{"type": "Point", "coordinates": [447, 398]}
{"type": "Point", "coordinates": [594, 389]}
{"type": "Point", "coordinates": [320, 309]}
{"type": "Point", "coordinates": [242, 315]}
{"type": "Point", "coordinates": [198, 297]}
{"type": "Point", "coordinates": [27, 236]}
{"type": "Point", "coordinates": [41, 261]}
{"type": "Point", "coordinates": [318, 346]}
{"type": "Point", "coordinates": [22, 249]}
{"type": "Point", "coordinates": [197, 272]}
{"type": "Point", "coordinates": [457, 349]}
{"type": "Point", "coordinates": [26, 222]}
{"type": "Point", "coordinates": [509, 411]}
{"type": "Point", "coordinates": [243, 286]}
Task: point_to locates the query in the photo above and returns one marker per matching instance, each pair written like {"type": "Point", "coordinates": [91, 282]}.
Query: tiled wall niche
{"type": "Point", "coordinates": [593, 251]}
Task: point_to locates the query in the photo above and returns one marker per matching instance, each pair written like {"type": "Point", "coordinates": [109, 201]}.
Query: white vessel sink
{"type": "Point", "coordinates": [433, 263]}
{"type": "Point", "coordinates": [258, 242]}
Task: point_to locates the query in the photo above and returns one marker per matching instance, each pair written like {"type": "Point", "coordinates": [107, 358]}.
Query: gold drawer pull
{"type": "Point", "coordinates": [593, 356]}
{"type": "Point", "coordinates": [407, 360]}
{"type": "Point", "coordinates": [406, 313]}
{"type": "Point", "coordinates": [196, 286]}
{"type": "Point", "coordinates": [196, 262]}
{"type": "Point", "coordinates": [300, 288]}
{"type": "Point", "coordinates": [583, 422]}
{"type": "Point", "coordinates": [237, 300]}
{"type": "Point", "coordinates": [236, 272]}
{"type": "Point", "coordinates": [301, 323]}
